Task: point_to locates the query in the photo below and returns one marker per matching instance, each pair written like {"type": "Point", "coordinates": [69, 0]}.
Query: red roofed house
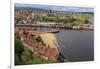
{"type": "Point", "coordinates": [51, 54]}
{"type": "Point", "coordinates": [28, 43]}
{"type": "Point", "coordinates": [47, 53]}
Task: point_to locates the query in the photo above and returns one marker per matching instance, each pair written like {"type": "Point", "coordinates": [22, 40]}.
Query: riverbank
{"type": "Point", "coordinates": [50, 40]}
{"type": "Point", "coordinates": [61, 26]}
{"type": "Point", "coordinates": [42, 44]}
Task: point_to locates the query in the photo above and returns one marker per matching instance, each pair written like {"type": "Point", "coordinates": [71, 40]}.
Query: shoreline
{"type": "Point", "coordinates": [78, 27]}
{"type": "Point", "coordinates": [51, 40]}
{"type": "Point", "coordinates": [47, 40]}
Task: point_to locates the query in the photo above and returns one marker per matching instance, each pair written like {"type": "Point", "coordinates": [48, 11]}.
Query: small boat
{"type": "Point", "coordinates": [54, 31]}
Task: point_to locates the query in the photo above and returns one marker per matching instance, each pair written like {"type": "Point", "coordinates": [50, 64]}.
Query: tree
{"type": "Point", "coordinates": [86, 21]}
{"type": "Point", "coordinates": [19, 48]}
{"type": "Point", "coordinates": [27, 56]}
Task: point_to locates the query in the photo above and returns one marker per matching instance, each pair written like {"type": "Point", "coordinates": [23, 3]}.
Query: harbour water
{"type": "Point", "coordinates": [78, 45]}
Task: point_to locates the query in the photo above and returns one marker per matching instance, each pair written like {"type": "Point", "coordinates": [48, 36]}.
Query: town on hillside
{"type": "Point", "coordinates": [35, 46]}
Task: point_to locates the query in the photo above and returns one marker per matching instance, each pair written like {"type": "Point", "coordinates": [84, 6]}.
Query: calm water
{"type": "Point", "coordinates": [77, 45]}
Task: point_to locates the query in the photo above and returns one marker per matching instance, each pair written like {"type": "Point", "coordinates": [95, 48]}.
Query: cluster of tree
{"type": "Point", "coordinates": [19, 48]}
{"type": "Point", "coordinates": [59, 19]}
{"type": "Point", "coordinates": [24, 56]}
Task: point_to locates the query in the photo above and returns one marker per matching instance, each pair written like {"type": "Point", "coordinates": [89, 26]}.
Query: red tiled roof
{"type": "Point", "coordinates": [48, 53]}
{"type": "Point", "coordinates": [42, 49]}
{"type": "Point", "coordinates": [51, 52]}
{"type": "Point", "coordinates": [29, 42]}
{"type": "Point", "coordinates": [54, 52]}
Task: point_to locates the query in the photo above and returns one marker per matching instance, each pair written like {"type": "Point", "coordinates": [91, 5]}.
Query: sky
{"type": "Point", "coordinates": [57, 8]}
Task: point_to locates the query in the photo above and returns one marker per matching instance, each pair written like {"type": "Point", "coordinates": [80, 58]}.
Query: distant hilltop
{"type": "Point", "coordinates": [55, 8]}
